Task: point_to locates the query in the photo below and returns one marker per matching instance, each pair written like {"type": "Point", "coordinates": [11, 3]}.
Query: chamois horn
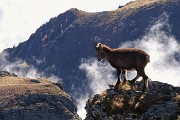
{"type": "Point", "coordinates": [96, 40]}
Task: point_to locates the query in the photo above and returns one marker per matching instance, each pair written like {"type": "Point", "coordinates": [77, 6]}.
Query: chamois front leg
{"type": "Point", "coordinates": [124, 75]}
{"type": "Point", "coordinates": [132, 82]}
{"type": "Point", "coordinates": [118, 81]}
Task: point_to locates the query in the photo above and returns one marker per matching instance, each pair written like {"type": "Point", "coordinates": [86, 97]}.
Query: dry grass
{"type": "Point", "coordinates": [141, 3]}
{"type": "Point", "coordinates": [135, 6]}
{"type": "Point", "coordinates": [11, 87]}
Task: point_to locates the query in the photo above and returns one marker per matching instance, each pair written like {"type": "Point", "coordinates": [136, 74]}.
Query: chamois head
{"type": "Point", "coordinates": [99, 51]}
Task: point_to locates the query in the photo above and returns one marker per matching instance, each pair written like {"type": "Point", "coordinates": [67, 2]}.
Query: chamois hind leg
{"type": "Point", "coordinates": [134, 80]}
{"type": "Point", "coordinates": [145, 78]}
{"type": "Point", "coordinates": [118, 81]}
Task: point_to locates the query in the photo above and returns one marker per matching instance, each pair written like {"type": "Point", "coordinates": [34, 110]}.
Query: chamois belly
{"type": "Point", "coordinates": [129, 69]}
{"type": "Point", "coordinates": [123, 65]}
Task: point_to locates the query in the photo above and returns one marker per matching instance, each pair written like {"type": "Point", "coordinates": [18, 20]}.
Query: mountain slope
{"type": "Point", "coordinates": [58, 46]}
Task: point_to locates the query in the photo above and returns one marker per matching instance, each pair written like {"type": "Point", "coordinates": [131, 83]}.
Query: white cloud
{"type": "Point", "coordinates": [100, 75]}
{"type": "Point", "coordinates": [1, 14]}
{"type": "Point", "coordinates": [21, 18]}
{"type": "Point", "coordinates": [22, 69]}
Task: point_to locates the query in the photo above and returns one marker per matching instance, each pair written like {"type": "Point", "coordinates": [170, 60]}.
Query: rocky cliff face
{"type": "Point", "coordinates": [161, 102]}
{"type": "Point", "coordinates": [34, 99]}
{"type": "Point", "coordinates": [58, 46]}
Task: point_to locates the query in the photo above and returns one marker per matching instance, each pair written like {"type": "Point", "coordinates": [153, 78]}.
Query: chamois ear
{"type": "Point", "coordinates": [96, 41]}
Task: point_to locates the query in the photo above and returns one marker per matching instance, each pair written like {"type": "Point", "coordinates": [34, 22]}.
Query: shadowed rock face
{"type": "Point", "coordinates": [58, 46]}
{"type": "Point", "coordinates": [34, 99]}
{"type": "Point", "coordinates": [161, 102]}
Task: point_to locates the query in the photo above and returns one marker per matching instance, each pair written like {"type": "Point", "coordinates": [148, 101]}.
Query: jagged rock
{"type": "Point", "coordinates": [60, 85]}
{"type": "Point", "coordinates": [161, 102]}
{"type": "Point", "coordinates": [6, 73]}
{"type": "Point", "coordinates": [34, 99]}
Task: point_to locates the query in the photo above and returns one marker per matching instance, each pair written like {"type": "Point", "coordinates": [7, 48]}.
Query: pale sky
{"type": "Point", "coordinates": [20, 18]}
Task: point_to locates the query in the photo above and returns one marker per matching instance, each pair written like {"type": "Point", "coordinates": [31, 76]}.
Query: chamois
{"type": "Point", "coordinates": [125, 59]}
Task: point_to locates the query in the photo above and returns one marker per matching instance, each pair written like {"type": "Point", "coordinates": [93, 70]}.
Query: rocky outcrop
{"type": "Point", "coordinates": [34, 99]}
{"type": "Point", "coordinates": [161, 102]}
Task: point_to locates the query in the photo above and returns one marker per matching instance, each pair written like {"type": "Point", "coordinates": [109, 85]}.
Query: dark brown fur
{"type": "Point", "coordinates": [125, 59]}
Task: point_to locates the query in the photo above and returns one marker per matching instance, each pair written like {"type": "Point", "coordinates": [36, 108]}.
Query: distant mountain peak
{"type": "Point", "coordinates": [77, 12]}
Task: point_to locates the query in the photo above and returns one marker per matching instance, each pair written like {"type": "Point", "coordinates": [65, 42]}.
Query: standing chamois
{"type": "Point", "coordinates": [125, 59]}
